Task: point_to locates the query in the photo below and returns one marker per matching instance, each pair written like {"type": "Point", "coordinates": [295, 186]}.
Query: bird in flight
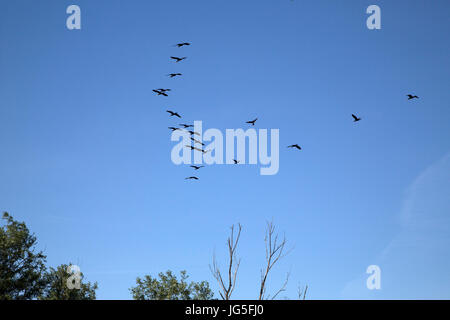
{"type": "Point", "coordinates": [159, 92]}
{"type": "Point", "coordinates": [355, 118]}
{"type": "Point", "coordinates": [410, 96]}
{"type": "Point", "coordinates": [198, 149]}
{"type": "Point", "coordinates": [186, 125]}
{"type": "Point", "coordinates": [172, 113]}
{"type": "Point", "coordinates": [197, 167]}
{"type": "Point", "coordinates": [179, 45]}
{"type": "Point", "coordinates": [235, 161]}
{"type": "Point", "coordinates": [174, 74]}
{"type": "Point", "coordinates": [199, 142]}
{"type": "Point", "coordinates": [190, 178]}
{"type": "Point", "coordinates": [193, 132]}
{"type": "Point", "coordinates": [173, 128]}
{"type": "Point", "coordinates": [252, 122]}
{"type": "Point", "coordinates": [178, 59]}
{"type": "Point", "coordinates": [295, 146]}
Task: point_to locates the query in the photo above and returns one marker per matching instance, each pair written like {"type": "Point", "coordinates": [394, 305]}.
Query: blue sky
{"type": "Point", "coordinates": [86, 150]}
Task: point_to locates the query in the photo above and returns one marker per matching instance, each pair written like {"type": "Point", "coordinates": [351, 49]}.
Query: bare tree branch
{"type": "Point", "coordinates": [275, 250]}
{"type": "Point", "coordinates": [302, 292]}
{"type": "Point", "coordinates": [233, 266]}
{"type": "Point", "coordinates": [283, 288]}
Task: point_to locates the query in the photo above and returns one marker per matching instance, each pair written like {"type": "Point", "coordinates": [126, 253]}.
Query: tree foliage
{"type": "Point", "coordinates": [57, 286]}
{"type": "Point", "coordinates": [22, 268]}
{"type": "Point", "coordinates": [168, 287]}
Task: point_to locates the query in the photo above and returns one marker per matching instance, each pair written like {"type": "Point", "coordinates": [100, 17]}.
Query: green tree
{"type": "Point", "coordinates": [167, 287]}
{"type": "Point", "coordinates": [21, 267]}
{"type": "Point", "coordinates": [58, 289]}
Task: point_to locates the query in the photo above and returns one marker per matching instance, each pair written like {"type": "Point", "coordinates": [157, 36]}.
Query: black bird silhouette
{"type": "Point", "coordinates": [295, 146]}
{"type": "Point", "coordinates": [410, 96]}
{"type": "Point", "coordinates": [193, 132]}
{"type": "Point", "coordinates": [235, 161]}
{"type": "Point", "coordinates": [173, 128]}
{"type": "Point", "coordinates": [163, 90]}
{"type": "Point", "coordinates": [172, 113]}
{"type": "Point", "coordinates": [199, 142]}
{"type": "Point", "coordinates": [198, 149]}
{"type": "Point", "coordinates": [178, 59]}
{"type": "Point", "coordinates": [201, 150]}
{"type": "Point", "coordinates": [252, 122]}
{"type": "Point", "coordinates": [197, 167]}
{"type": "Point", "coordinates": [355, 118]}
{"type": "Point", "coordinates": [160, 93]}
{"type": "Point", "coordinates": [190, 178]}
{"type": "Point", "coordinates": [179, 45]}
{"type": "Point", "coordinates": [186, 125]}
{"type": "Point", "coordinates": [174, 74]}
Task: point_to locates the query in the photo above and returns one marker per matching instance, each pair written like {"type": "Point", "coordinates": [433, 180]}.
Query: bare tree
{"type": "Point", "coordinates": [302, 292]}
{"type": "Point", "coordinates": [275, 250]}
{"type": "Point", "coordinates": [227, 287]}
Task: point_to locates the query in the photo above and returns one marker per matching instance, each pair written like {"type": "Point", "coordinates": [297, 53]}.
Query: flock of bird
{"type": "Point", "coordinates": [184, 126]}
